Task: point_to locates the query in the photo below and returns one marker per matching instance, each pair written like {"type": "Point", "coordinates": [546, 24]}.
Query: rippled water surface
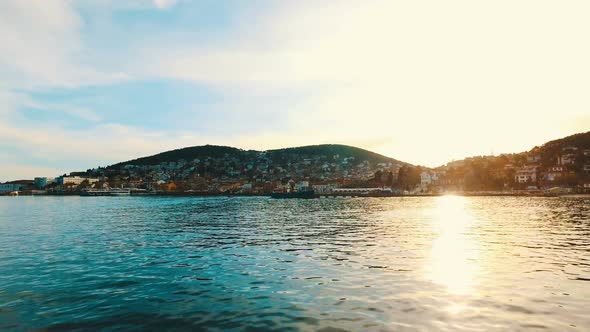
{"type": "Point", "coordinates": [149, 263]}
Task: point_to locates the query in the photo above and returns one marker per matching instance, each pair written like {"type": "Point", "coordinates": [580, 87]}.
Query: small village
{"type": "Point", "coordinates": [562, 170]}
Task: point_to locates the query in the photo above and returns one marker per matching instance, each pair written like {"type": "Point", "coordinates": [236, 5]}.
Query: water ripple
{"type": "Point", "coordinates": [256, 264]}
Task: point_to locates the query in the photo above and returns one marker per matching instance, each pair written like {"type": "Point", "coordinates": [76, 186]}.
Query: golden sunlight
{"type": "Point", "coordinates": [454, 256]}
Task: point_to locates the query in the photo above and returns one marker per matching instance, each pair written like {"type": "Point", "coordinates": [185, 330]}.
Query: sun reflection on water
{"type": "Point", "coordinates": [454, 256]}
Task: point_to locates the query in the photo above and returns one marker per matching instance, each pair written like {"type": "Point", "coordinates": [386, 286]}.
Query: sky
{"type": "Point", "coordinates": [93, 82]}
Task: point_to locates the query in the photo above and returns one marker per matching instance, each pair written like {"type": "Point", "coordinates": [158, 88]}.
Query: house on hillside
{"type": "Point", "coordinates": [526, 174]}
{"type": "Point", "coordinates": [567, 156]}
{"type": "Point", "coordinates": [554, 173]}
{"type": "Point", "coordinates": [427, 178]}
{"type": "Point", "coordinates": [533, 158]}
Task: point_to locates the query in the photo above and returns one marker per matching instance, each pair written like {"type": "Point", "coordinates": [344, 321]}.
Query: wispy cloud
{"type": "Point", "coordinates": [42, 47]}
{"type": "Point", "coordinates": [78, 112]}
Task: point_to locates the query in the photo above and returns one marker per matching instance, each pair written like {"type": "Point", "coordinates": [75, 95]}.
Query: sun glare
{"type": "Point", "coordinates": [453, 260]}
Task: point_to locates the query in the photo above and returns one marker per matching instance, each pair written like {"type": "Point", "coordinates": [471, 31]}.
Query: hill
{"type": "Point", "coordinates": [329, 151]}
{"type": "Point", "coordinates": [560, 163]}
{"type": "Point", "coordinates": [563, 162]}
{"type": "Point", "coordinates": [188, 153]}
{"type": "Point", "coordinates": [552, 150]}
{"type": "Point", "coordinates": [222, 168]}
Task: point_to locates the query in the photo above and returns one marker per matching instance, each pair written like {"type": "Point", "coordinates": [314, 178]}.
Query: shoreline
{"type": "Point", "coordinates": [184, 194]}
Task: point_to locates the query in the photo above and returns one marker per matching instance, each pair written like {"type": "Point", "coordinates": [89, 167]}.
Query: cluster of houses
{"type": "Point", "coordinates": [568, 169]}
{"type": "Point", "coordinates": [223, 174]}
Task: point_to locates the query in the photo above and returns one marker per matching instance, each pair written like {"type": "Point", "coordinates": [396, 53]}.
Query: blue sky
{"type": "Point", "coordinates": [87, 83]}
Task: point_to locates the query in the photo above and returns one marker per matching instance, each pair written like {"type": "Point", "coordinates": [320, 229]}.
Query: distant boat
{"type": "Point", "coordinates": [294, 194]}
{"type": "Point", "coordinates": [106, 192]}
{"type": "Point", "coordinates": [557, 191]}
{"type": "Point", "coordinates": [119, 192]}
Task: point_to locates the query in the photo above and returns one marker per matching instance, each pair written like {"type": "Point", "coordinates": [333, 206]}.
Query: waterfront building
{"type": "Point", "coordinates": [40, 182]}
{"type": "Point", "coordinates": [10, 187]}
{"type": "Point", "coordinates": [16, 185]}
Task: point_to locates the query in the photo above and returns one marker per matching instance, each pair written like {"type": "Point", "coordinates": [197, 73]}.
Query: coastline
{"type": "Point", "coordinates": [329, 195]}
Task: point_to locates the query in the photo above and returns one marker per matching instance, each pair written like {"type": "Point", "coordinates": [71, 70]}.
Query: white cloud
{"type": "Point", "coordinates": [42, 47]}
{"type": "Point", "coordinates": [382, 42]}
{"type": "Point", "coordinates": [78, 112]}
{"type": "Point", "coordinates": [163, 4]}
{"type": "Point", "coordinates": [11, 102]}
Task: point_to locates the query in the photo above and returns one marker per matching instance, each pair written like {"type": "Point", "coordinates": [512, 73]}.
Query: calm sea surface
{"type": "Point", "coordinates": [152, 263]}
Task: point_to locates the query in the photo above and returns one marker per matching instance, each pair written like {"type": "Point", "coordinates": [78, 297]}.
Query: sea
{"type": "Point", "coordinates": [446, 263]}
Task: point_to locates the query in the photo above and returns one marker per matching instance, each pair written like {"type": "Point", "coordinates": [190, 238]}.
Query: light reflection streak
{"type": "Point", "coordinates": [454, 255]}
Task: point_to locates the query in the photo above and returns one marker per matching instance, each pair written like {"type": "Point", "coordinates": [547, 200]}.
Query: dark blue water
{"type": "Point", "coordinates": [149, 263]}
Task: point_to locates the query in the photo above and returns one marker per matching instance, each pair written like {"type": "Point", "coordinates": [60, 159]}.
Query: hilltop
{"type": "Point", "coordinates": [188, 153]}
{"type": "Point", "coordinates": [331, 151]}
{"type": "Point", "coordinates": [549, 151]}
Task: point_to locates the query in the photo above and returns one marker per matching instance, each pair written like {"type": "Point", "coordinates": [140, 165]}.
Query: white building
{"type": "Point", "coordinates": [75, 180]}
{"type": "Point", "coordinates": [526, 174]}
